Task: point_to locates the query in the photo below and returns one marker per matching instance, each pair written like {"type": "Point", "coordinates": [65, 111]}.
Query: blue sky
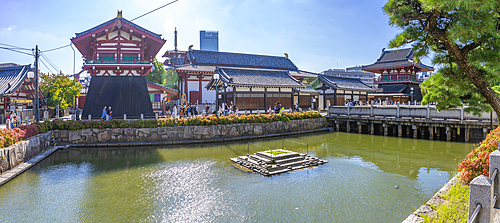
{"type": "Point", "coordinates": [317, 34]}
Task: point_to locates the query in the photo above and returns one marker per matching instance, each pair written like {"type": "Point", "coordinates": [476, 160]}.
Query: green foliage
{"type": "Point", "coordinates": [171, 78]}
{"type": "Point", "coordinates": [157, 73]}
{"type": "Point", "coordinates": [60, 90]}
{"type": "Point", "coordinates": [451, 92]}
{"type": "Point", "coordinates": [457, 208]}
{"type": "Point", "coordinates": [58, 124]}
{"type": "Point", "coordinates": [478, 160]}
{"type": "Point", "coordinates": [465, 39]}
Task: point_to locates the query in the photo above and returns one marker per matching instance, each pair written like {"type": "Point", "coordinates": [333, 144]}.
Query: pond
{"type": "Point", "coordinates": [199, 184]}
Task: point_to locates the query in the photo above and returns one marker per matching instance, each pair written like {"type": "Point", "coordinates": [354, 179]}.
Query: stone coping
{"type": "Point", "coordinates": [10, 174]}
{"type": "Point", "coordinates": [436, 200]}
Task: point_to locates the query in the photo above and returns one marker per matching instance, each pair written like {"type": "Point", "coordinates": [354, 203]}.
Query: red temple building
{"type": "Point", "coordinates": [17, 88]}
{"type": "Point", "coordinates": [118, 54]}
{"type": "Point", "coordinates": [398, 76]}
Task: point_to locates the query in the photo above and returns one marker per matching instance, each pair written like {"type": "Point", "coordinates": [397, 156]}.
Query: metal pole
{"type": "Point", "coordinates": [36, 105]}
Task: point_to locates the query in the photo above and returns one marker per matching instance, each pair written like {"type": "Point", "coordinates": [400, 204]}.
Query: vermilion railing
{"type": "Point", "coordinates": [117, 61]}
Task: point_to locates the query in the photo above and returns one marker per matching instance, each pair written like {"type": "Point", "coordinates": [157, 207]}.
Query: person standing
{"type": "Point", "coordinates": [277, 107]}
{"type": "Point", "coordinates": [207, 109]}
{"type": "Point", "coordinates": [109, 113]}
{"type": "Point", "coordinates": [103, 116]}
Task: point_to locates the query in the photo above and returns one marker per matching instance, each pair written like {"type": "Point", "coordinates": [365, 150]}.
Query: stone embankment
{"type": "Point", "coordinates": [22, 151]}
{"type": "Point", "coordinates": [180, 133]}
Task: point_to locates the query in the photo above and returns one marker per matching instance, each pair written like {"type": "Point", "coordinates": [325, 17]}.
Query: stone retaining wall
{"type": "Point", "coordinates": [184, 132]}
{"type": "Point", "coordinates": [22, 151]}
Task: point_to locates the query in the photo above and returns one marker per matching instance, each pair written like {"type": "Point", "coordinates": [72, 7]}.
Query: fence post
{"type": "Point", "coordinates": [480, 193]}
{"type": "Point", "coordinates": [495, 164]}
{"type": "Point", "coordinates": [7, 122]}
{"type": "Point", "coordinates": [348, 112]}
{"type": "Point", "coordinates": [371, 110]}
{"type": "Point", "coordinates": [462, 113]}
{"type": "Point", "coordinates": [90, 117]}
{"type": "Point", "coordinates": [156, 115]}
{"type": "Point", "coordinates": [124, 116]}
{"type": "Point", "coordinates": [428, 112]}
{"type": "Point", "coordinates": [142, 116]}
{"type": "Point", "coordinates": [57, 111]}
{"type": "Point", "coordinates": [397, 111]}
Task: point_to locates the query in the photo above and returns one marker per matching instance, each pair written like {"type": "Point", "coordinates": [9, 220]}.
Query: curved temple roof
{"type": "Point", "coordinates": [12, 78]}
{"type": "Point", "coordinates": [344, 83]}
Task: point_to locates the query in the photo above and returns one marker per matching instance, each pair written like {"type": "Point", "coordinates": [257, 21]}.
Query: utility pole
{"type": "Point", "coordinates": [36, 104]}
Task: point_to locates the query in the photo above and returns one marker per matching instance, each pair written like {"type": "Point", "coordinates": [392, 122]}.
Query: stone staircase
{"type": "Point", "coordinates": [268, 164]}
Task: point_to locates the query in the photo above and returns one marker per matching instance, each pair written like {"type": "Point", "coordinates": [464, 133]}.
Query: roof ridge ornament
{"type": "Point", "coordinates": [119, 15]}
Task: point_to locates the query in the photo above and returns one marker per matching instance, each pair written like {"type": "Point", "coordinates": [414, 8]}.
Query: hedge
{"type": "Point", "coordinates": [57, 124]}
{"type": "Point", "coordinates": [478, 160]}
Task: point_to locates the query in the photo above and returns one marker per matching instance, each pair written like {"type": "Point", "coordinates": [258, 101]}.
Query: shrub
{"type": "Point", "coordinates": [10, 136]}
{"type": "Point", "coordinates": [478, 160]}
{"type": "Point", "coordinates": [37, 128]}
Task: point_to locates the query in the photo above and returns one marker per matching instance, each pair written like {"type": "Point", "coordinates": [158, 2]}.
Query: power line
{"type": "Point", "coordinates": [17, 51]}
{"type": "Point", "coordinates": [56, 48]}
{"type": "Point", "coordinates": [46, 66]}
{"type": "Point", "coordinates": [50, 62]}
{"type": "Point", "coordinates": [153, 10]}
{"type": "Point", "coordinates": [16, 47]}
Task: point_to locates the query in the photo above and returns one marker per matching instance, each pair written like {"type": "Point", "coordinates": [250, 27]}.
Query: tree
{"type": "Point", "coordinates": [171, 78]}
{"type": "Point", "coordinates": [59, 90]}
{"type": "Point", "coordinates": [157, 73]}
{"type": "Point", "coordinates": [464, 35]}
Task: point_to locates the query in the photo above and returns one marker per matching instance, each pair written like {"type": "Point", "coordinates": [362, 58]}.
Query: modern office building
{"type": "Point", "coordinates": [209, 40]}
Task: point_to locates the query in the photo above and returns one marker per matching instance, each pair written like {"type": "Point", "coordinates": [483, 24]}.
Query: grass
{"type": "Point", "coordinates": [276, 152]}
{"type": "Point", "coordinates": [457, 208]}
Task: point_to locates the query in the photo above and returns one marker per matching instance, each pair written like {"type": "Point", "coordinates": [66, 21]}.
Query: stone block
{"type": "Point", "coordinates": [129, 131]}
{"type": "Point", "coordinates": [425, 210]}
{"type": "Point", "coordinates": [162, 130]}
{"type": "Point", "coordinates": [480, 193]}
{"type": "Point", "coordinates": [86, 132]}
{"type": "Point", "coordinates": [74, 135]}
{"type": "Point", "coordinates": [257, 129]}
{"type": "Point", "coordinates": [116, 132]}
{"type": "Point", "coordinates": [233, 132]}
{"type": "Point", "coordinates": [413, 219]}
{"type": "Point", "coordinates": [153, 137]}
{"type": "Point", "coordinates": [197, 131]}
{"type": "Point", "coordinates": [91, 139]}
{"type": "Point", "coordinates": [187, 134]}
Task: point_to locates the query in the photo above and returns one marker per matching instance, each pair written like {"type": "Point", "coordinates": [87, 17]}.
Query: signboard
{"type": "Point", "coordinates": [21, 100]}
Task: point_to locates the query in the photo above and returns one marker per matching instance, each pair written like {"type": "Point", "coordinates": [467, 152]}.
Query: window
{"type": "Point", "coordinates": [129, 57]}
{"type": "Point", "coordinates": [107, 57]}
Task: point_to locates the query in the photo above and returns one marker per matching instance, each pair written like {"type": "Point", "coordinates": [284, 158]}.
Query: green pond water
{"type": "Point", "coordinates": [199, 184]}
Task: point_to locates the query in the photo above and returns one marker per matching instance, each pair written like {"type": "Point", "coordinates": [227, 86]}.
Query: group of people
{"type": "Point", "coordinates": [105, 112]}
{"type": "Point", "coordinates": [13, 118]}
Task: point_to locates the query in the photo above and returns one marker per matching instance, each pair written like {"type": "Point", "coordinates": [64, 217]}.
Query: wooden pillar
{"type": "Point", "coordinates": [385, 129]}
{"type": "Point", "coordinates": [467, 133]}
{"type": "Point", "coordinates": [448, 134]}
{"type": "Point", "coordinates": [265, 100]}
{"type": "Point", "coordinates": [415, 131]}
{"type": "Point", "coordinates": [337, 125]}
{"type": "Point", "coordinates": [381, 129]}
{"type": "Point", "coordinates": [400, 130]}
{"type": "Point", "coordinates": [431, 133]}
{"type": "Point", "coordinates": [360, 128]}
{"type": "Point", "coordinates": [293, 102]}
{"type": "Point", "coordinates": [234, 95]}
{"type": "Point", "coordinates": [438, 133]}
{"type": "Point", "coordinates": [454, 134]}
{"type": "Point", "coordinates": [348, 127]}
{"type": "Point", "coordinates": [422, 132]}
{"type": "Point", "coordinates": [394, 131]}
{"type": "Point", "coordinates": [200, 88]}
{"type": "Point", "coordinates": [335, 97]}
{"type": "Point", "coordinates": [485, 132]}
{"type": "Point", "coordinates": [372, 129]}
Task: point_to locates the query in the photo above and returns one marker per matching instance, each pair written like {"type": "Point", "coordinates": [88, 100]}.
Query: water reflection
{"type": "Point", "coordinates": [198, 184]}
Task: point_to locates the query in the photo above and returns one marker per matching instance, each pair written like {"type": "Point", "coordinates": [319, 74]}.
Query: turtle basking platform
{"type": "Point", "coordinates": [276, 161]}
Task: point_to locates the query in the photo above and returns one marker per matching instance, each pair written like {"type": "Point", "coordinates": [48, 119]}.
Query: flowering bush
{"type": "Point", "coordinates": [57, 124]}
{"type": "Point", "coordinates": [478, 160]}
{"type": "Point", "coordinates": [10, 136]}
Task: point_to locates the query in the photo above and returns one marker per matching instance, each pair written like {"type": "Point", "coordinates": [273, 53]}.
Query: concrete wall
{"type": "Point", "coordinates": [184, 132]}
{"type": "Point", "coordinates": [408, 111]}
{"type": "Point", "coordinates": [20, 152]}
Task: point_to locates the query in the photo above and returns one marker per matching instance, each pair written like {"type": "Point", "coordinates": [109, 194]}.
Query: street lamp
{"type": "Point", "coordinates": [216, 78]}
{"type": "Point", "coordinates": [411, 94]}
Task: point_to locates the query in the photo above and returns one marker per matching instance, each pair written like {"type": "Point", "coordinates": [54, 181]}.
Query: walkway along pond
{"type": "Point", "coordinates": [192, 184]}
